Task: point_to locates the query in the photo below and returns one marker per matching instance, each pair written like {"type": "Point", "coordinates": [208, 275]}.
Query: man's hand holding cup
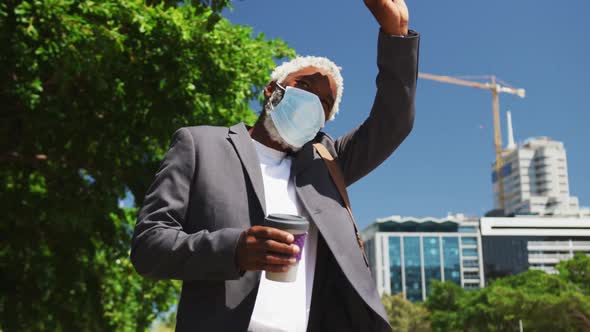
{"type": "Point", "coordinates": [275, 248]}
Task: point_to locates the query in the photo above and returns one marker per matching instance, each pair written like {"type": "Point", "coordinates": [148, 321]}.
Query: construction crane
{"type": "Point", "coordinates": [496, 86]}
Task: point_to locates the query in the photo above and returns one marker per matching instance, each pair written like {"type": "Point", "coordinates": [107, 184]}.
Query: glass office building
{"type": "Point", "coordinates": [407, 253]}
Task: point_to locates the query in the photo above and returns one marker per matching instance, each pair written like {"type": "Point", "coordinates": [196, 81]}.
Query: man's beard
{"type": "Point", "coordinates": [269, 125]}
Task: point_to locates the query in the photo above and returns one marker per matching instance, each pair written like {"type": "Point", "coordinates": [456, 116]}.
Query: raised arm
{"type": "Point", "coordinates": [392, 116]}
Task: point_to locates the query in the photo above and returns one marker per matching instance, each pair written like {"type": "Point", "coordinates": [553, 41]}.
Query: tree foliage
{"type": "Point", "coordinates": [543, 302]}
{"type": "Point", "coordinates": [577, 272]}
{"type": "Point", "coordinates": [444, 305]}
{"type": "Point", "coordinates": [90, 93]}
{"type": "Point", "coordinates": [405, 316]}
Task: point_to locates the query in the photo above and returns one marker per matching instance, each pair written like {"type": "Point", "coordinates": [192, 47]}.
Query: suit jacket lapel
{"type": "Point", "coordinates": [240, 138]}
{"type": "Point", "coordinates": [320, 197]}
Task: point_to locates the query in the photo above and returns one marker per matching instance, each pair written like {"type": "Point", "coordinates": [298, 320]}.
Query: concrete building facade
{"type": "Point", "coordinates": [515, 244]}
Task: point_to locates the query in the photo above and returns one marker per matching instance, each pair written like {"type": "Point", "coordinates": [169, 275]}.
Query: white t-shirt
{"type": "Point", "coordinates": [283, 306]}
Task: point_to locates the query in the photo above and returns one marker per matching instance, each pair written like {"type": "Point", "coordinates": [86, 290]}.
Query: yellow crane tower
{"type": "Point", "coordinates": [496, 86]}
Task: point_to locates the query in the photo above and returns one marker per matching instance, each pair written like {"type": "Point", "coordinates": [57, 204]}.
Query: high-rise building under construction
{"type": "Point", "coordinates": [534, 178]}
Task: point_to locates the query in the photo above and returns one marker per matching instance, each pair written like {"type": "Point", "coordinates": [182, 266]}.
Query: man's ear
{"type": "Point", "coordinates": [269, 89]}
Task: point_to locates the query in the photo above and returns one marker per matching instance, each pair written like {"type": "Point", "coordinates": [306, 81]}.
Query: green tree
{"type": "Point", "coordinates": [91, 92]}
{"type": "Point", "coordinates": [577, 271]}
{"type": "Point", "coordinates": [543, 302]}
{"type": "Point", "coordinates": [405, 316]}
{"type": "Point", "coordinates": [444, 303]}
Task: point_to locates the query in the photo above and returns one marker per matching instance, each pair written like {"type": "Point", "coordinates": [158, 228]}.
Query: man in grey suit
{"type": "Point", "coordinates": [202, 219]}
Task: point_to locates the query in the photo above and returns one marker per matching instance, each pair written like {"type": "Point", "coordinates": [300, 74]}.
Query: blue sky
{"type": "Point", "coordinates": [444, 166]}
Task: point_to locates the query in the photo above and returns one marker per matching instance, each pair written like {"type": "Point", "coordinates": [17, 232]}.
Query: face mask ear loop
{"type": "Point", "coordinates": [280, 86]}
{"type": "Point", "coordinates": [272, 107]}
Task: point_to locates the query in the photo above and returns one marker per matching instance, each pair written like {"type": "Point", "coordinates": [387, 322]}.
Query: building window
{"type": "Point", "coordinates": [431, 261]}
{"type": "Point", "coordinates": [469, 252]}
{"type": "Point", "coordinates": [395, 265]}
{"type": "Point", "coordinates": [452, 266]}
{"type": "Point", "coordinates": [467, 229]}
{"type": "Point", "coordinates": [413, 268]}
{"type": "Point", "coordinates": [469, 241]}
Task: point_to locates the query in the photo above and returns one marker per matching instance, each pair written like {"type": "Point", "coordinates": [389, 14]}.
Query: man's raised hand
{"type": "Point", "coordinates": [392, 15]}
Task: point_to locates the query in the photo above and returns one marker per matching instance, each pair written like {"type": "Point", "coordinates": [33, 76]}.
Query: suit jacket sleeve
{"type": "Point", "coordinates": [160, 247]}
{"type": "Point", "coordinates": [392, 116]}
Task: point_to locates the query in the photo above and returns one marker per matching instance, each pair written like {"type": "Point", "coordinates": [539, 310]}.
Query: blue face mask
{"type": "Point", "coordinates": [298, 117]}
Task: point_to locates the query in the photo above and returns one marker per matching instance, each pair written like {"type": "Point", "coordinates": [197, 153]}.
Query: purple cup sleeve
{"type": "Point", "coordinates": [299, 241]}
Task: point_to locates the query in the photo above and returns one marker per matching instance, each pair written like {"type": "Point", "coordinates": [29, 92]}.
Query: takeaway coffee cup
{"type": "Point", "coordinates": [297, 226]}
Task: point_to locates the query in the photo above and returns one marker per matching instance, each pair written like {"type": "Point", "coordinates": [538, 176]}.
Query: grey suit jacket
{"type": "Point", "coordinates": [209, 189]}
